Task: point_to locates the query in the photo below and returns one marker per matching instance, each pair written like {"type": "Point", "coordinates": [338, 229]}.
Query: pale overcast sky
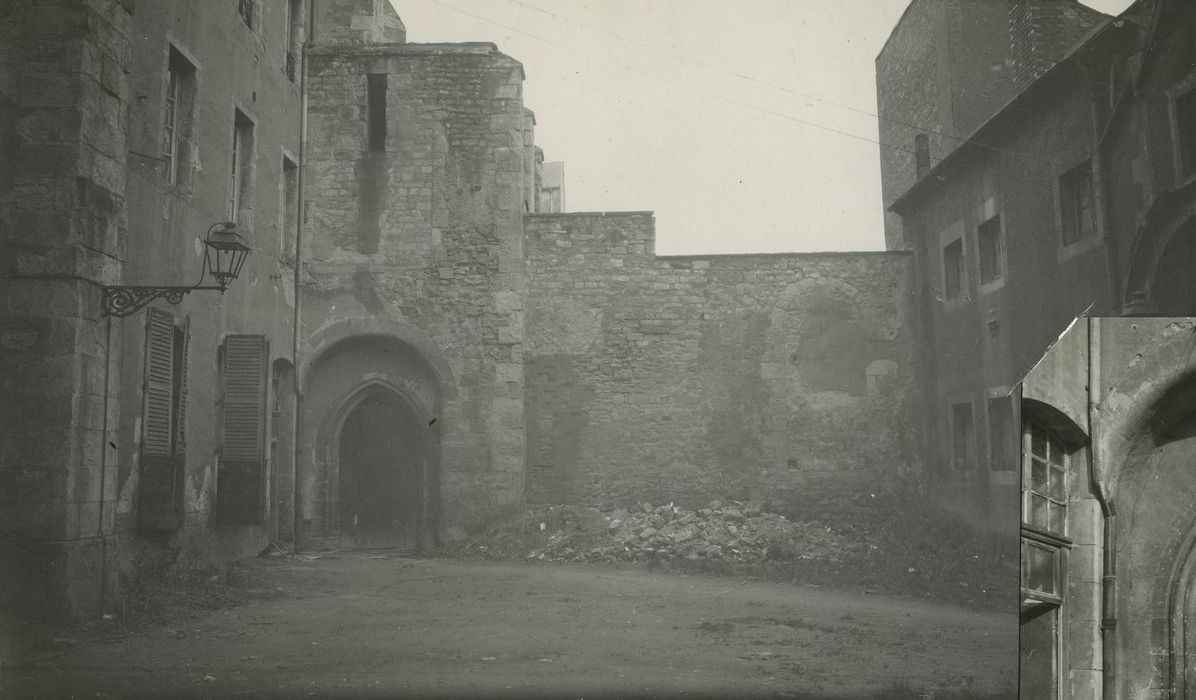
{"type": "Point", "coordinates": [702, 110]}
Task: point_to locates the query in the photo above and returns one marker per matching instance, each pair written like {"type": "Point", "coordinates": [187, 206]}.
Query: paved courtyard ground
{"type": "Point", "coordinates": [381, 624]}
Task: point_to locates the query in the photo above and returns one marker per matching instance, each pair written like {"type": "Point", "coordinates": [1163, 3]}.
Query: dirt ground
{"type": "Point", "coordinates": [381, 624]}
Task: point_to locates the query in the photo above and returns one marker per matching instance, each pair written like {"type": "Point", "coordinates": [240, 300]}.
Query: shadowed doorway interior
{"type": "Point", "coordinates": [380, 473]}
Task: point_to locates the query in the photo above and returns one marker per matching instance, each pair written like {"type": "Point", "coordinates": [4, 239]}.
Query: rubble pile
{"type": "Point", "coordinates": [732, 532]}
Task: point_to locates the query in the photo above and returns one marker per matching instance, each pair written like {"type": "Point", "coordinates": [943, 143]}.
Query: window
{"type": "Point", "coordinates": [1044, 481]}
{"type": "Point", "coordinates": [177, 118]}
{"type": "Point", "coordinates": [953, 270]}
{"type": "Point", "coordinates": [1185, 122]}
{"type": "Point", "coordinates": [240, 194]}
{"type": "Point", "coordinates": [376, 111]}
{"type": "Point", "coordinates": [1076, 204]}
{"type": "Point", "coordinates": [1044, 559]}
{"type": "Point", "coordinates": [988, 239]}
{"type": "Point", "coordinates": [290, 203]}
{"type": "Point", "coordinates": [164, 422]}
{"type": "Point", "coordinates": [1002, 435]}
{"type": "Point", "coordinates": [963, 434]}
{"type": "Point", "coordinates": [247, 9]}
{"type": "Point", "coordinates": [241, 478]}
{"type": "Point", "coordinates": [294, 18]}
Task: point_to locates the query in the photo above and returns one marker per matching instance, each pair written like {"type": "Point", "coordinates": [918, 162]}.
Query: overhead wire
{"type": "Point", "coordinates": [962, 140]}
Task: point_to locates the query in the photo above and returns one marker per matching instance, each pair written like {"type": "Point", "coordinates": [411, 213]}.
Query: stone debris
{"type": "Point", "coordinates": [731, 532]}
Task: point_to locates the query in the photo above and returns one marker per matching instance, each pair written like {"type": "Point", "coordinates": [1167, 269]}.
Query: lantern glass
{"type": "Point", "coordinates": [226, 254]}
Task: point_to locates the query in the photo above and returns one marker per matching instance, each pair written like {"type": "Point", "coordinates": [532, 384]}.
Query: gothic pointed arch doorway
{"type": "Point", "coordinates": [380, 464]}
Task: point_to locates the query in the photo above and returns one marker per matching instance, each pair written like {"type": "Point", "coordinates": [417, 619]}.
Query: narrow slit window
{"type": "Point", "coordinates": [376, 111]}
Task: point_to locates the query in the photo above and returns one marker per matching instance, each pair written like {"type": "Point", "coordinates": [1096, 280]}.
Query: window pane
{"type": "Point", "coordinates": [1058, 517]}
{"type": "Point", "coordinates": [1039, 515]}
{"type": "Point", "coordinates": [1040, 569]}
{"type": "Point", "coordinates": [1057, 490]}
{"type": "Point", "coordinates": [1038, 443]}
{"type": "Point", "coordinates": [1038, 476]}
{"type": "Point", "coordinates": [1037, 677]}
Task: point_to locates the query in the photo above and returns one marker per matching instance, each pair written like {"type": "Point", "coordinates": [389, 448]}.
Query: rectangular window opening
{"type": "Point", "coordinates": [177, 121]}
{"type": "Point", "coordinates": [240, 190]}
{"type": "Point", "coordinates": [988, 236]}
{"type": "Point", "coordinates": [953, 269]}
{"type": "Point", "coordinates": [1077, 205]}
{"type": "Point", "coordinates": [376, 111]}
{"type": "Point", "coordinates": [294, 20]}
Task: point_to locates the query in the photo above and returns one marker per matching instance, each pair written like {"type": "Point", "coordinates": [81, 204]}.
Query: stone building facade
{"type": "Point", "coordinates": [1107, 518]}
{"type": "Point", "coordinates": [1060, 202]}
{"type": "Point", "coordinates": [412, 348]}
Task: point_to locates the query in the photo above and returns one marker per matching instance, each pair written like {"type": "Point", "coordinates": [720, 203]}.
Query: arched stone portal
{"type": "Point", "coordinates": [372, 418]}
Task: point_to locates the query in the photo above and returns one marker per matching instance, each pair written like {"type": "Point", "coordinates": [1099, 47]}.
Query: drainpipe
{"type": "Point", "coordinates": [104, 466]}
{"type": "Point", "coordinates": [1108, 623]}
{"type": "Point", "coordinates": [296, 335]}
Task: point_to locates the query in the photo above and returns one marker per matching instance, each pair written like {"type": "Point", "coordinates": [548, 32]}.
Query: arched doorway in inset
{"type": "Point", "coordinates": [381, 467]}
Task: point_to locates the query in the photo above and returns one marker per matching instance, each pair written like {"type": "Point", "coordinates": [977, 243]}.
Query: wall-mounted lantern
{"type": "Point", "coordinates": [224, 254]}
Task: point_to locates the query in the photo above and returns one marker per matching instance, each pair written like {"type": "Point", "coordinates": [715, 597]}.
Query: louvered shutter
{"type": "Point", "coordinates": [240, 486]}
{"type": "Point", "coordinates": [159, 385]}
{"type": "Point", "coordinates": [160, 488]}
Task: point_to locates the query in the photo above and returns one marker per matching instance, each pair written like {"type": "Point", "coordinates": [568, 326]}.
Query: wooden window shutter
{"type": "Point", "coordinates": [180, 440]}
{"type": "Point", "coordinates": [241, 483]}
{"type": "Point", "coordinates": [160, 487]}
{"type": "Point", "coordinates": [157, 438]}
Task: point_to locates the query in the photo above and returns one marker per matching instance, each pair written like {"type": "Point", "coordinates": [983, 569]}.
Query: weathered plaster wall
{"type": "Point", "coordinates": [428, 234]}
{"type": "Point", "coordinates": [777, 377]}
{"type": "Point", "coordinates": [236, 68]}
{"type": "Point", "coordinates": [63, 93]}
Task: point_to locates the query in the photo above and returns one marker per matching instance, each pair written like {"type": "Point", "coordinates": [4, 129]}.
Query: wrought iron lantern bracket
{"type": "Point", "coordinates": [224, 254]}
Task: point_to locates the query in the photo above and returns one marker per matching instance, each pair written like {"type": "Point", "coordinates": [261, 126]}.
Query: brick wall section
{"type": "Point", "coordinates": [447, 199]}
{"type": "Point", "coordinates": [1042, 31]}
{"type": "Point", "coordinates": [777, 377]}
{"type": "Point", "coordinates": [63, 94]}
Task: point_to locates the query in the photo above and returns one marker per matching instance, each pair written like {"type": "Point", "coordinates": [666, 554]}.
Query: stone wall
{"type": "Point", "coordinates": [783, 378]}
{"type": "Point", "coordinates": [63, 92]}
{"type": "Point", "coordinates": [426, 234]}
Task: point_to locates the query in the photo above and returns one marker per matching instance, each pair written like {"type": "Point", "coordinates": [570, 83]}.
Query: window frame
{"type": "Point", "coordinates": [961, 271]}
{"type": "Point", "coordinates": [998, 260]}
{"type": "Point", "coordinates": [242, 168]}
{"type": "Point", "coordinates": [179, 100]}
{"type": "Point", "coordinates": [1070, 202]}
